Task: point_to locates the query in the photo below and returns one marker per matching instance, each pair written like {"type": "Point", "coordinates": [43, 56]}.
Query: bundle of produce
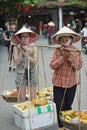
{"type": "Point", "coordinates": [32, 104]}
{"type": "Point", "coordinates": [46, 92]}
{"type": "Point", "coordinates": [73, 119]}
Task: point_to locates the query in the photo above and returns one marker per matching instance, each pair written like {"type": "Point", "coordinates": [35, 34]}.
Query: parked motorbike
{"type": "Point", "coordinates": [84, 44]}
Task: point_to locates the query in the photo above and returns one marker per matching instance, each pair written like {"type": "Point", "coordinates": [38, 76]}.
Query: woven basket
{"type": "Point", "coordinates": [74, 126]}
{"type": "Point", "coordinates": [9, 98]}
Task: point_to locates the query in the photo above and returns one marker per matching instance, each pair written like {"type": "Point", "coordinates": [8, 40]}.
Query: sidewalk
{"type": "Point", "coordinates": [6, 110]}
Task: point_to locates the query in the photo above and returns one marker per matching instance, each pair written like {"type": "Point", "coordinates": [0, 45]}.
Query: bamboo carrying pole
{"type": "Point", "coordinates": [74, 50]}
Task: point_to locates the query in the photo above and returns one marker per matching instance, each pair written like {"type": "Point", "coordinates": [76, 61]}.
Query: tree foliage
{"type": "Point", "coordinates": [11, 6]}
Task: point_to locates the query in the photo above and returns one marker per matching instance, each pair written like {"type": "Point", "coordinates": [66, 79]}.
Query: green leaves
{"type": "Point", "coordinates": [11, 5]}
{"type": "Point", "coordinates": [26, 2]}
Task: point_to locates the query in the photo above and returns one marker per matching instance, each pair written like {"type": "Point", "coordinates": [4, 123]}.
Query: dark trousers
{"type": "Point", "coordinates": [49, 39]}
{"type": "Point", "coordinates": [68, 99]}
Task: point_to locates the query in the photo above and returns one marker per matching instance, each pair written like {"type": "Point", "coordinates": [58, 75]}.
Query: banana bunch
{"type": "Point", "coordinates": [68, 112]}
{"type": "Point", "coordinates": [36, 101]}
{"type": "Point", "coordinates": [39, 101]}
{"type": "Point", "coordinates": [84, 121]}
{"type": "Point", "coordinates": [32, 104]}
{"type": "Point", "coordinates": [44, 102]}
{"type": "Point", "coordinates": [68, 118]}
{"type": "Point", "coordinates": [45, 92]}
{"type": "Point", "coordinates": [26, 106]}
{"type": "Point", "coordinates": [68, 115]}
{"type": "Point", "coordinates": [74, 116]}
{"type": "Point", "coordinates": [42, 93]}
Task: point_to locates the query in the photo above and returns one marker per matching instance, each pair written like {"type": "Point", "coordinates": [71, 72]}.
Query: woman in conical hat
{"type": "Point", "coordinates": [65, 62]}
{"type": "Point", "coordinates": [17, 39]}
{"type": "Point", "coordinates": [50, 31]}
{"type": "Point", "coordinates": [24, 51]}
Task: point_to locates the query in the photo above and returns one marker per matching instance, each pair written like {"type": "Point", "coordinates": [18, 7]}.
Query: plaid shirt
{"type": "Point", "coordinates": [65, 69]}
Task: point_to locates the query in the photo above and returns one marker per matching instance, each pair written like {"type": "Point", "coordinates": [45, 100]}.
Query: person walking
{"type": "Point", "coordinates": [84, 35]}
{"type": "Point", "coordinates": [40, 28]}
{"type": "Point", "coordinates": [7, 41]}
{"type": "Point", "coordinates": [50, 30]}
{"type": "Point", "coordinates": [25, 57]}
{"type": "Point", "coordinates": [65, 63]}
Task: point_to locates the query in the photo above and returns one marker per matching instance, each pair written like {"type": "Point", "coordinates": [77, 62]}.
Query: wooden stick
{"type": "Point", "coordinates": [68, 49]}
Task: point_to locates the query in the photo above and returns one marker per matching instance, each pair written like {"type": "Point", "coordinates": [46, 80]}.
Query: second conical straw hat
{"type": "Point", "coordinates": [65, 31]}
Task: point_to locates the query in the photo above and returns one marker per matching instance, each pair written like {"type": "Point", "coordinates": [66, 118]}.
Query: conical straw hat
{"type": "Point", "coordinates": [51, 24]}
{"type": "Point", "coordinates": [65, 31]}
{"type": "Point", "coordinates": [33, 38]}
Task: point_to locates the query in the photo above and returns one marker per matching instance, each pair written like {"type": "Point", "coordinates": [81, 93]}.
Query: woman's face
{"type": "Point", "coordinates": [25, 38]}
{"type": "Point", "coordinates": [64, 39]}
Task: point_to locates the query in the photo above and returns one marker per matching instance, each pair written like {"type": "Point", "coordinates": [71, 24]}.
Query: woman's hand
{"type": "Point", "coordinates": [20, 47]}
{"type": "Point", "coordinates": [63, 51]}
{"type": "Point", "coordinates": [66, 52]}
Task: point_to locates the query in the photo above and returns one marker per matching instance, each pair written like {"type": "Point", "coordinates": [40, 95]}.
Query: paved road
{"type": "Point", "coordinates": [6, 111]}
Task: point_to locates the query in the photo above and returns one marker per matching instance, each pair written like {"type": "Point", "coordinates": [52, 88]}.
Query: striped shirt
{"type": "Point", "coordinates": [65, 69]}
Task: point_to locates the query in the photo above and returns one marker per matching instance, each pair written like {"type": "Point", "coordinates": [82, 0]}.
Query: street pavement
{"type": "Point", "coordinates": [45, 77]}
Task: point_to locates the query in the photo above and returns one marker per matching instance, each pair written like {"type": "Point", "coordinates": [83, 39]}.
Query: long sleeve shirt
{"type": "Point", "coordinates": [65, 69]}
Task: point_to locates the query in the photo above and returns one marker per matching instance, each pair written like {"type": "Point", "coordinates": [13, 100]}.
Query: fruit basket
{"type": "Point", "coordinates": [74, 120]}
{"type": "Point", "coordinates": [9, 96]}
{"type": "Point", "coordinates": [74, 126]}
{"type": "Point", "coordinates": [12, 95]}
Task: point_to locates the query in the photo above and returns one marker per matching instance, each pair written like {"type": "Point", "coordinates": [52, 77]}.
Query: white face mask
{"type": "Point", "coordinates": [67, 43]}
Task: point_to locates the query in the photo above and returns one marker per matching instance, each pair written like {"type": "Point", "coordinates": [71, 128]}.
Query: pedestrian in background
{"type": "Point", "coordinates": [65, 63]}
{"type": "Point", "coordinates": [24, 52]}
{"type": "Point", "coordinates": [73, 23]}
{"type": "Point", "coordinates": [83, 32]}
{"type": "Point", "coordinates": [78, 25]}
{"type": "Point", "coordinates": [7, 42]}
{"type": "Point", "coordinates": [40, 28]}
{"type": "Point", "coordinates": [50, 31]}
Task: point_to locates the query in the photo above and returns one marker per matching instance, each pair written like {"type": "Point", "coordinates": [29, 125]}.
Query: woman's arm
{"type": "Point", "coordinates": [75, 60]}
{"type": "Point", "coordinates": [6, 39]}
{"type": "Point", "coordinates": [56, 60]}
{"type": "Point", "coordinates": [17, 54]}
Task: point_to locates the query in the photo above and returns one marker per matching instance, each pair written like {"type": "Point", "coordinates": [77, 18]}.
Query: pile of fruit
{"type": "Point", "coordinates": [48, 91]}
{"type": "Point", "coordinates": [32, 104]}
{"type": "Point", "coordinates": [72, 116]}
{"type": "Point", "coordinates": [13, 93]}
{"type": "Point", "coordinates": [10, 93]}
